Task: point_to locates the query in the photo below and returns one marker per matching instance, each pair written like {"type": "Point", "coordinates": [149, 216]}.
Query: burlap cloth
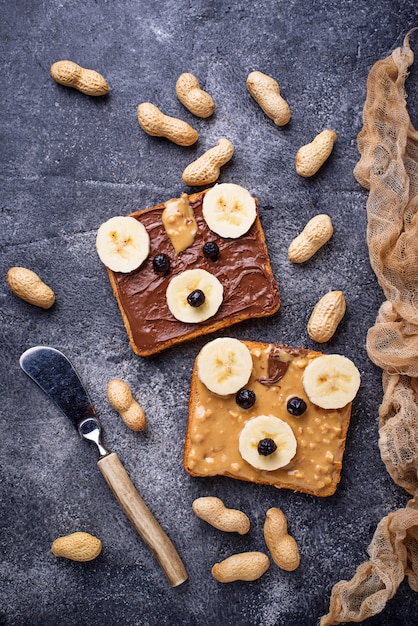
{"type": "Point", "coordinates": [388, 168]}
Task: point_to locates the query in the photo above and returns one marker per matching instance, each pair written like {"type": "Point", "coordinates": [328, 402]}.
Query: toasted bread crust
{"type": "Point", "coordinates": [257, 476]}
{"type": "Point", "coordinates": [219, 321]}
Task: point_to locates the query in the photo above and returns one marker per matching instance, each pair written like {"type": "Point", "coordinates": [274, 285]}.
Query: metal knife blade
{"type": "Point", "coordinates": [56, 376]}
{"type": "Point", "coordinates": [52, 371]}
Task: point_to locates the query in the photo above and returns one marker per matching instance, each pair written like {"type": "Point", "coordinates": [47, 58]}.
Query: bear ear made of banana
{"type": "Point", "coordinates": [267, 442]}
{"type": "Point", "coordinates": [122, 243]}
{"type": "Point", "coordinates": [193, 296]}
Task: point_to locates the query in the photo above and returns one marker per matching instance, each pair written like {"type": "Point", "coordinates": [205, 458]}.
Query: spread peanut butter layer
{"type": "Point", "coordinates": [215, 424]}
{"type": "Point", "coordinates": [179, 222]}
{"type": "Point", "coordinates": [243, 268]}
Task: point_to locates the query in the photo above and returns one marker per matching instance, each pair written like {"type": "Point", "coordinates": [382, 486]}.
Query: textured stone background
{"type": "Point", "coordinates": [68, 163]}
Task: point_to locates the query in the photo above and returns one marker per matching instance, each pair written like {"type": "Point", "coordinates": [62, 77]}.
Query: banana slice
{"type": "Point", "coordinates": [122, 243]}
{"type": "Point", "coordinates": [229, 210]}
{"type": "Point", "coordinates": [224, 365]}
{"type": "Point", "coordinates": [187, 308]}
{"type": "Point", "coordinates": [267, 442]}
{"type": "Point", "coordinates": [331, 381]}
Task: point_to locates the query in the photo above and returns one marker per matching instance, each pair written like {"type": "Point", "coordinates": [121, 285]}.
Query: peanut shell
{"type": "Point", "coordinates": [245, 566]}
{"type": "Point", "coordinates": [157, 124]}
{"type": "Point", "coordinates": [312, 156]}
{"type": "Point", "coordinates": [316, 233]}
{"type": "Point", "coordinates": [70, 74]}
{"type": "Point", "coordinates": [213, 511]}
{"type": "Point", "coordinates": [195, 99]}
{"type": "Point", "coordinates": [326, 315]}
{"type": "Point", "coordinates": [27, 285]}
{"type": "Point", "coordinates": [120, 397]}
{"type": "Point", "coordinates": [206, 169]}
{"type": "Point", "coordinates": [282, 547]}
{"type": "Point", "coordinates": [78, 546]}
{"type": "Point", "coordinates": [266, 92]}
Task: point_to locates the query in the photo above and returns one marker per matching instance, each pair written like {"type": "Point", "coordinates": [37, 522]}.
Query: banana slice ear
{"type": "Point", "coordinates": [122, 243]}
{"type": "Point", "coordinates": [229, 210]}
{"type": "Point", "coordinates": [224, 365]}
{"type": "Point", "coordinates": [331, 381]}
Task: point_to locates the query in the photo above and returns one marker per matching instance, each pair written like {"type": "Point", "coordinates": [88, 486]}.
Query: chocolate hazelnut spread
{"type": "Point", "coordinates": [215, 424]}
{"type": "Point", "coordinates": [243, 268]}
{"type": "Point", "coordinates": [276, 368]}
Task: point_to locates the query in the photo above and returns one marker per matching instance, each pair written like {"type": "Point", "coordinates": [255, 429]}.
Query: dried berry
{"type": "Point", "coordinates": [266, 446]}
{"type": "Point", "coordinates": [296, 406]}
{"type": "Point", "coordinates": [245, 398]}
{"type": "Point", "coordinates": [196, 298]}
{"type": "Point", "coordinates": [161, 263]}
{"type": "Point", "coordinates": [211, 250]}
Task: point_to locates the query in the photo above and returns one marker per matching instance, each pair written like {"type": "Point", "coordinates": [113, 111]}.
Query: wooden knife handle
{"type": "Point", "coordinates": [142, 519]}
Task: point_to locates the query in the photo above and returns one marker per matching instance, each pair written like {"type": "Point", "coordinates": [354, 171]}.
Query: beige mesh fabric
{"type": "Point", "coordinates": [388, 168]}
{"type": "Point", "coordinates": [393, 554]}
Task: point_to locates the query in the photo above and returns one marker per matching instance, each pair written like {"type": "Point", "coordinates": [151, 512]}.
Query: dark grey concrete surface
{"type": "Point", "coordinates": [68, 163]}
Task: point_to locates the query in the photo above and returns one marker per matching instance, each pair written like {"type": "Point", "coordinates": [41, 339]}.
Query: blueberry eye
{"type": "Point", "coordinates": [266, 446]}
{"type": "Point", "coordinates": [161, 263]}
{"type": "Point", "coordinates": [296, 406]}
{"type": "Point", "coordinates": [196, 298]}
{"type": "Point", "coordinates": [245, 398]}
{"type": "Point", "coordinates": [211, 250]}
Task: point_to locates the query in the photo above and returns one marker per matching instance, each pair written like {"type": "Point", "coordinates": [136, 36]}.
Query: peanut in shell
{"type": "Point", "coordinates": [78, 546]}
{"type": "Point", "coordinates": [155, 123]}
{"type": "Point", "coordinates": [193, 97]}
{"type": "Point", "coordinates": [71, 74]}
{"type": "Point", "coordinates": [315, 234]}
{"type": "Point", "coordinates": [282, 546]}
{"type": "Point", "coordinates": [207, 168]}
{"type": "Point", "coordinates": [310, 157]}
{"type": "Point", "coordinates": [326, 315]}
{"type": "Point", "coordinates": [246, 566]}
{"type": "Point", "coordinates": [28, 286]}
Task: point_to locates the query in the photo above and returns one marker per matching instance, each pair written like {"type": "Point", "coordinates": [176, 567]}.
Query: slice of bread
{"type": "Point", "coordinates": [243, 268]}
{"type": "Point", "coordinates": [215, 423]}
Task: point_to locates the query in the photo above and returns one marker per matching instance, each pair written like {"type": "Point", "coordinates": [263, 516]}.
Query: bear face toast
{"type": "Point", "coordinates": [269, 414]}
{"type": "Point", "coordinates": [209, 246]}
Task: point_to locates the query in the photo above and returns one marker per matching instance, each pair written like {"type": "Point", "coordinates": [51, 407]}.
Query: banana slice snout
{"type": "Point", "coordinates": [267, 443]}
{"type": "Point", "coordinates": [331, 381]}
{"type": "Point", "coordinates": [224, 365]}
{"type": "Point", "coordinates": [194, 296]}
{"type": "Point", "coordinates": [229, 210]}
{"type": "Point", "coordinates": [122, 243]}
